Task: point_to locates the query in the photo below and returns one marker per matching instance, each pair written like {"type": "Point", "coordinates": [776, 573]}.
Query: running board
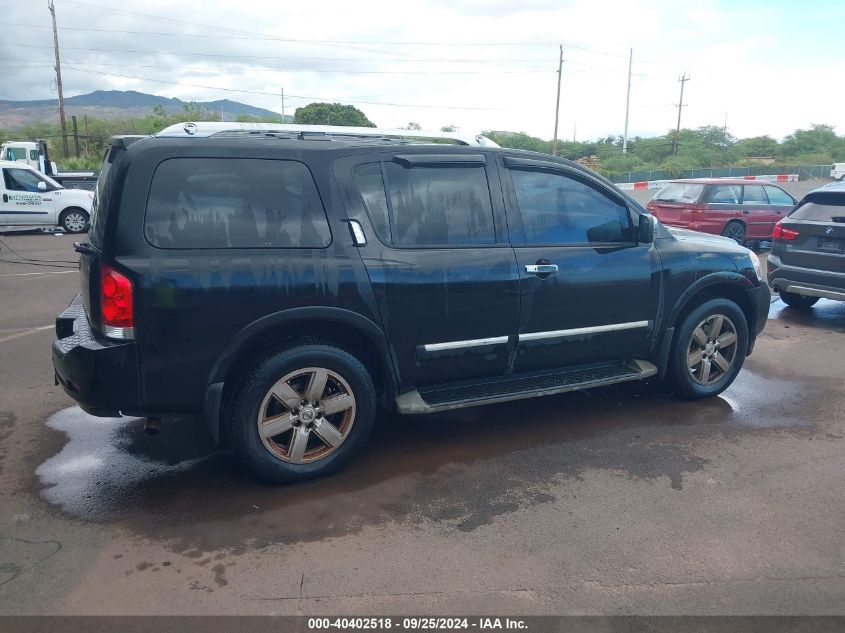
{"type": "Point", "coordinates": [444, 398]}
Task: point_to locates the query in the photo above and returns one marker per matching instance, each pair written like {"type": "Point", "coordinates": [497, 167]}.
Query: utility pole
{"type": "Point", "coordinates": [75, 136]}
{"type": "Point", "coordinates": [627, 102]}
{"type": "Point", "coordinates": [85, 127]}
{"type": "Point", "coordinates": [683, 79]}
{"type": "Point", "coordinates": [283, 104]}
{"type": "Point", "coordinates": [557, 101]}
{"type": "Point", "coordinates": [574, 130]}
{"type": "Point", "coordinates": [59, 78]}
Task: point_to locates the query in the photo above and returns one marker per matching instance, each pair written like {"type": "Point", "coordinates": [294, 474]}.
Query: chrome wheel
{"type": "Point", "coordinates": [75, 222]}
{"type": "Point", "coordinates": [712, 349]}
{"type": "Point", "coordinates": [306, 415]}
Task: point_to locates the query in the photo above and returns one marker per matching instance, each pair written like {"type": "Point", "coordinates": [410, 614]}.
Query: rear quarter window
{"type": "Point", "coordinates": [680, 193]}
{"type": "Point", "coordinates": [234, 203]}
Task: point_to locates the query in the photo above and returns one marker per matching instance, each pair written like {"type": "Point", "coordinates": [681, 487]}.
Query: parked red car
{"type": "Point", "coordinates": [740, 209]}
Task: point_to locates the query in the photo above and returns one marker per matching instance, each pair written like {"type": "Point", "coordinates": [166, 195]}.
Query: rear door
{"type": "Point", "coordinates": [781, 202]}
{"type": "Point", "coordinates": [22, 202]}
{"type": "Point", "coordinates": [757, 212]}
{"type": "Point", "coordinates": [589, 290]}
{"type": "Point", "coordinates": [437, 254]}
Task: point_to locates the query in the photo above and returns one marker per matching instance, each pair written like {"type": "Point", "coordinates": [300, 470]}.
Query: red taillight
{"type": "Point", "coordinates": [783, 233]}
{"type": "Point", "coordinates": [116, 305]}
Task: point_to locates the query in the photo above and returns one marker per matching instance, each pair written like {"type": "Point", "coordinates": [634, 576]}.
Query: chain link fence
{"type": "Point", "coordinates": [805, 172]}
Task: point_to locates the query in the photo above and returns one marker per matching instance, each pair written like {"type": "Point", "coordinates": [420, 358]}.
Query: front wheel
{"type": "Point", "coordinates": [303, 412]}
{"type": "Point", "coordinates": [798, 301]}
{"type": "Point", "coordinates": [74, 220]}
{"type": "Point", "coordinates": [709, 349]}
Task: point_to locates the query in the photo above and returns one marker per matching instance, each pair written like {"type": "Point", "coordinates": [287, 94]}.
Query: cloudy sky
{"type": "Point", "coordinates": [769, 66]}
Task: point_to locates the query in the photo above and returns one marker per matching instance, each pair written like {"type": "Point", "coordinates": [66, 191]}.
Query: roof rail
{"type": "Point", "coordinates": [210, 128]}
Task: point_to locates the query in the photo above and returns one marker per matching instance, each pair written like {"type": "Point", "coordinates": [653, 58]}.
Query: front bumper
{"type": "Point", "coordinates": [805, 281]}
{"type": "Point", "coordinates": [101, 375]}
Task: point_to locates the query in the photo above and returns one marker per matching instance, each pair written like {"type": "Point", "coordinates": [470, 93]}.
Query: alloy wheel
{"type": "Point", "coordinates": [306, 415]}
{"type": "Point", "coordinates": [712, 349]}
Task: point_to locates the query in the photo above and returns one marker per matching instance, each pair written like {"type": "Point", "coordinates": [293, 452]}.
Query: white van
{"type": "Point", "coordinates": [838, 171]}
{"type": "Point", "coordinates": [31, 199]}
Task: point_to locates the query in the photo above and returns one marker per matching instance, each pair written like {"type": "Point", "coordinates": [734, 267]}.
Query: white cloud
{"type": "Point", "coordinates": [743, 62]}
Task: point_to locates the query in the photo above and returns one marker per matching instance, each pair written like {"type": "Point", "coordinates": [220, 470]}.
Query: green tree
{"type": "Point", "coordinates": [331, 114]}
{"type": "Point", "coordinates": [449, 128]}
{"type": "Point", "coordinates": [413, 126]}
{"type": "Point", "coordinates": [757, 146]}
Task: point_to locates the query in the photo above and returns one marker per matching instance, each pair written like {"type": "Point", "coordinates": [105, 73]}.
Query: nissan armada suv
{"type": "Point", "coordinates": [284, 282]}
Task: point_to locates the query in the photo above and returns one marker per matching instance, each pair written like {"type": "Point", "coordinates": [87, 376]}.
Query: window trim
{"type": "Point", "coordinates": [512, 163]}
{"type": "Point", "coordinates": [234, 248]}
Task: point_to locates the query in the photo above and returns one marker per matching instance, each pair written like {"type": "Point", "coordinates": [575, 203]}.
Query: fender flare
{"type": "Point", "coordinates": [276, 322]}
{"type": "Point", "coordinates": [697, 286]}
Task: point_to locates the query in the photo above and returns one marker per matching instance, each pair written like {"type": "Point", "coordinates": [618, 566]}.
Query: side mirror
{"type": "Point", "coordinates": [42, 186]}
{"type": "Point", "coordinates": [645, 231]}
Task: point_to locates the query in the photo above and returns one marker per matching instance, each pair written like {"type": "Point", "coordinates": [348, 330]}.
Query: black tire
{"type": "Point", "coordinates": [798, 301]}
{"type": "Point", "coordinates": [68, 220]}
{"type": "Point", "coordinates": [736, 231]}
{"type": "Point", "coordinates": [680, 374]}
{"type": "Point", "coordinates": [271, 368]}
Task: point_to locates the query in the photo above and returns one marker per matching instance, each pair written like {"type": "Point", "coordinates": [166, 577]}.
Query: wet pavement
{"type": "Point", "coordinates": [617, 500]}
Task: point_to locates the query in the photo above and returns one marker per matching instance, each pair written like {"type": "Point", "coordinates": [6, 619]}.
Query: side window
{"type": "Point", "coordinates": [21, 180]}
{"type": "Point", "coordinates": [754, 194]}
{"type": "Point", "coordinates": [439, 205]}
{"type": "Point", "coordinates": [557, 209]}
{"type": "Point", "coordinates": [779, 196]}
{"type": "Point", "coordinates": [370, 185]}
{"type": "Point", "coordinates": [234, 203]}
{"type": "Point", "coordinates": [33, 155]}
{"type": "Point", "coordinates": [730, 194]}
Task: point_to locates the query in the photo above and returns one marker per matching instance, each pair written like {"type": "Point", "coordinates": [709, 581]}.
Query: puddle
{"type": "Point", "coordinates": [826, 314]}
{"type": "Point", "coordinates": [460, 469]}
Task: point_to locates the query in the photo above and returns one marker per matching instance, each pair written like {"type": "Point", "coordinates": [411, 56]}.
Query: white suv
{"type": "Point", "coordinates": [838, 171]}
{"type": "Point", "coordinates": [31, 199]}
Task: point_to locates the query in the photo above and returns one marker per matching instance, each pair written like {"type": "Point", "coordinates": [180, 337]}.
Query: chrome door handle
{"type": "Point", "coordinates": [541, 269]}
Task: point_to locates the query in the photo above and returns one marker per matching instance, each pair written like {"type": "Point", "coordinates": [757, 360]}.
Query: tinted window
{"type": "Point", "coordinates": [726, 193]}
{"type": "Point", "coordinates": [21, 180]}
{"type": "Point", "coordinates": [779, 196]}
{"type": "Point", "coordinates": [371, 187]}
{"type": "Point", "coordinates": [234, 203]}
{"type": "Point", "coordinates": [679, 192]}
{"type": "Point", "coordinates": [557, 209]}
{"type": "Point", "coordinates": [817, 212]}
{"type": "Point", "coordinates": [432, 206]}
{"type": "Point", "coordinates": [754, 194]}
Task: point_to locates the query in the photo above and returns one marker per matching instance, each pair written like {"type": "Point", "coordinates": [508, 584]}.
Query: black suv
{"type": "Point", "coordinates": [807, 262]}
{"type": "Point", "coordinates": [285, 285]}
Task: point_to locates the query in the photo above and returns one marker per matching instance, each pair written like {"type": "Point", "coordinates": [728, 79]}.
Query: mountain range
{"type": "Point", "coordinates": [111, 104]}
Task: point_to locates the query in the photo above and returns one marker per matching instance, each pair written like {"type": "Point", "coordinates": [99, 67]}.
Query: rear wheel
{"type": "Point", "coordinates": [735, 231]}
{"type": "Point", "coordinates": [709, 349]}
{"type": "Point", "coordinates": [798, 301]}
{"type": "Point", "coordinates": [302, 412]}
{"type": "Point", "coordinates": [74, 220]}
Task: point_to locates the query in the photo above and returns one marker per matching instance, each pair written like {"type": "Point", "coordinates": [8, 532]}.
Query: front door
{"type": "Point", "coordinates": [781, 203]}
{"type": "Point", "coordinates": [440, 265]}
{"type": "Point", "coordinates": [589, 291]}
{"type": "Point", "coordinates": [22, 203]}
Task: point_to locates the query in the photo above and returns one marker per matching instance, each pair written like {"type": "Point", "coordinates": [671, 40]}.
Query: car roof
{"type": "Point", "coordinates": [15, 163]}
{"type": "Point", "coordinates": [722, 181]}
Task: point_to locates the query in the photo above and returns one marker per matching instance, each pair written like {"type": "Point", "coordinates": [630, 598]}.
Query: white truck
{"type": "Point", "coordinates": [36, 156]}
{"type": "Point", "coordinates": [30, 199]}
{"type": "Point", "coordinates": [837, 172]}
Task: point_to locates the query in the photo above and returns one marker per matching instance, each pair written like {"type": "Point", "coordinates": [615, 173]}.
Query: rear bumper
{"type": "Point", "coordinates": [805, 281]}
{"type": "Point", "coordinates": [101, 375]}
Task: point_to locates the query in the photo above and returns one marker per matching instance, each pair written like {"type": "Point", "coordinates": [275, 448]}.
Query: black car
{"type": "Point", "coordinates": [285, 285]}
{"type": "Point", "coordinates": [807, 260]}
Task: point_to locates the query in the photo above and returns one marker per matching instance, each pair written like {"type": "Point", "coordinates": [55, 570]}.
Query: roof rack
{"type": "Point", "coordinates": [202, 129]}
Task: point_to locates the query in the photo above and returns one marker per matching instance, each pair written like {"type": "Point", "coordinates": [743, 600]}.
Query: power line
{"type": "Point", "coordinates": [273, 94]}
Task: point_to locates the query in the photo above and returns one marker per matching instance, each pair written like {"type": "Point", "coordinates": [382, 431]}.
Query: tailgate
{"type": "Point", "coordinates": [819, 246]}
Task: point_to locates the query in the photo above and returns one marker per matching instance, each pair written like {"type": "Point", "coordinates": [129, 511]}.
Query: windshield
{"type": "Point", "coordinates": [679, 192]}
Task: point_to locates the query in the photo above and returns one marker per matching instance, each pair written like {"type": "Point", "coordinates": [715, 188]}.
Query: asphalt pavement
{"type": "Point", "coordinates": [620, 500]}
